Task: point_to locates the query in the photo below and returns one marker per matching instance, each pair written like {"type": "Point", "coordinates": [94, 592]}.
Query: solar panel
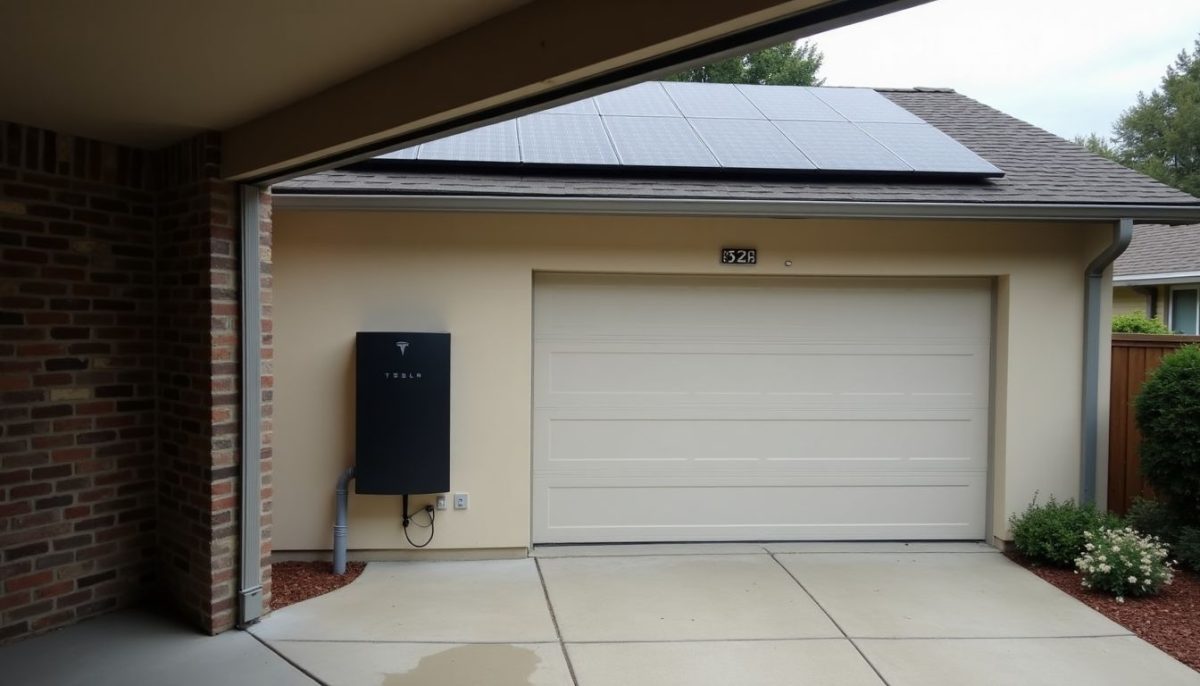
{"type": "Point", "coordinates": [708, 125]}
{"type": "Point", "coordinates": [658, 142]}
{"type": "Point", "coordinates": [402, 154]}
{"type": "Point", "coordinates": [721, 100]}
{"type": "Point", "coordinates": [565, 139]}
{"type": "Point", "coordinates": [585, 106]}
{"type": "Point", "coordinates": [642, 100]}
{"type": "Point", "coordinates": [750, 144]}
{"type": "Point", "coordinates": [927, 149]}
{"type": "Point", "coordinates": [841, 146]}
{"type": "Point", "coordinates": [494, 143]}
{"type": "Point", "coordinates": [786, 102]}
{"type": "Point", "coordinates": [864, 104]}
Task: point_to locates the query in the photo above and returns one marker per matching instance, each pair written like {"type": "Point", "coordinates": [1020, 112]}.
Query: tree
{"type": "Point", "coordinates": [1160, 134]}
{"type": "Point", "coordinates": [789, 64]}
{"type": "Point", "coordinates": [1099, 146]}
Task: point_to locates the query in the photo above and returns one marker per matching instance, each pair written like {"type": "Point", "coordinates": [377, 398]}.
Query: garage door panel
{"type": "Point", "coordinates": [950, 442]}
{"type": "Point", "coordinates": [818, 408]}
{"type": "Point", "coordinates": [823, 511]}
{"type": "Point", "coordinates": [798, 372]}
{"type": "Point", "coordinates": [923, 308]}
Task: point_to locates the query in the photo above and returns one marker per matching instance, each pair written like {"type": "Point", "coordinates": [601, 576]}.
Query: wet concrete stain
{"type": "Point", "coordinates": [471, 665]}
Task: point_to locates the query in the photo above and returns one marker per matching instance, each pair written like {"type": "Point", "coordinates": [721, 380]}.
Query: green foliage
{"type": "Point", "coordinates": [1160, 134]}
{"type": "Point", "coordinates": [1138, 322]}
{"type": "Point", "coordinates": [1153, 518]}
{"type": "Point", "coordinates": [1187, 548]}
{"type": "Point", "coordinates": [789, 64]}
{"type": "Point", "coordinates": [1124, 563]}
{"type": "Point", "coordinates": [1054, 533]}
{"type": "Point", "coordinates": [1100, 146]}
{"type": "Point", "coordinates": [1168, 415]}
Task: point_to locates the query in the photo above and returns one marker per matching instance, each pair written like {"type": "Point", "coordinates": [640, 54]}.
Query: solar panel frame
{"type": "Point", "coordinates": [841, 146]}
{"type": "Point", "coordinates": [750, 144]}
{"type": "Point", "coordinates": [711, 100]}
{"type": "Point", "coordinates": [642, 100]}
{"type": "Point", "coordinates": [565, 139]}
{"type": "Point", "coordinates": [493, 143]}
{"type": "Point", "coordinates": [926, 149]}
{"type": "Point", "coordinates": [673, 140]}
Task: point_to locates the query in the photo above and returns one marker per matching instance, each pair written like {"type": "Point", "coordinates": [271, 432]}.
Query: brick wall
{"type": "Point", "coordinates": [119, 350]}
{"type": "Point", "coordinates": [77, 349]}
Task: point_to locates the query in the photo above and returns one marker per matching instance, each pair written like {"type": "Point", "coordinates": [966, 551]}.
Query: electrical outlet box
{"type": "Point", "coordinates": [441, 502]}
{"type": "Point", "coordinates": [461, 501]}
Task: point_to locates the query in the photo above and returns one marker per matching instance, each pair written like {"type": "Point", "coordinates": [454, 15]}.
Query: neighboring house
{"type": "Point", "coordinates": [1159, 275]}
{"type": "Point", "coordinates": [904, 360]}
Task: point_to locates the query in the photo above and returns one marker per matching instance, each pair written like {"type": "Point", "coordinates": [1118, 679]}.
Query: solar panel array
{"type": "Point", "coordinates": [718, 126]}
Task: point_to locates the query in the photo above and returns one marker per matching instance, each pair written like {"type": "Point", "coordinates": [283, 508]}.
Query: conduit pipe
{"type": "Point", "coordinates": [342, 505]}
{"type": "Point", "coordinates": [1092, 330]}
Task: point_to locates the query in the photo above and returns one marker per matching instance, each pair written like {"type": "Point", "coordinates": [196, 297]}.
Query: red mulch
{"type": "Point", "coordinates": [292, 582]}
{"type": "Point", "coordinates": [1169, 620]}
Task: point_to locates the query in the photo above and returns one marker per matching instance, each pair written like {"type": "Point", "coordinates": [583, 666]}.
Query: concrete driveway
{"type": "Point", "coordinates": [760, 615]}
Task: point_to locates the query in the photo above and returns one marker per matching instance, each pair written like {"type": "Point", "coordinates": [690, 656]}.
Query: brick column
{"type": "Point", "coordinates": [199, 384]}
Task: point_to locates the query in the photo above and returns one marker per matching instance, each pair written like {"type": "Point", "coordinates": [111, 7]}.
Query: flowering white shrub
{"type": "Point", "coordinates": [1124, 563]}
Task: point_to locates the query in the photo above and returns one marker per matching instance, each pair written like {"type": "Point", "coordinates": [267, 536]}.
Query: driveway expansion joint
{"type": "Point", "coordinates": [835, 622]}
{"type": "Point", "coordinates": [554, 619]}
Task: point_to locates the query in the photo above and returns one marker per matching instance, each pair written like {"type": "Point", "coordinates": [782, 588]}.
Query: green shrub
{"type": "Point", "coordinates": [1124, 563]}
{"type": "Point", "coordinates": [1153, 518]}
{"type": "Point", "coordinates": [1137, 322]}
{"type": "Point", "coordinates": [1054, 533]}
{"type": "Point", "coordinates": [1168, 414]}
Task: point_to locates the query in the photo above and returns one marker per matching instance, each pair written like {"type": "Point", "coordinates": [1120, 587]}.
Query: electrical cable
{"type": "Point", "coordinates": [428, 509]}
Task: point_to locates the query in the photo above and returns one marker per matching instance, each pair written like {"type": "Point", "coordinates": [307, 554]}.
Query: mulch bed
{"type": "Point", "coordinates": [1169, 620]}
{"type": "Point", "coordinates": [292, 582]}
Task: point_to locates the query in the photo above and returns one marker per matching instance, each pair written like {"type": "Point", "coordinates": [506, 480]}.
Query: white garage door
{"type": "Point", "coordinates": [747, 408]}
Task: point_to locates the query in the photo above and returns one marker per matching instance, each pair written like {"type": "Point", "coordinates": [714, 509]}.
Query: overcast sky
{"type": "Point", "coordinates": [1069, 66]}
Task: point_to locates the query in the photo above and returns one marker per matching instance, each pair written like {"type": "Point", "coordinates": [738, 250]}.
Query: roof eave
{"type": "Point", "coordinates": [300, 199]}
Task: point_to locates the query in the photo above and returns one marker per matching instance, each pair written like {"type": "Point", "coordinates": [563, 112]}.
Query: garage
{"type": "Point", "coordinates": [721, 408]}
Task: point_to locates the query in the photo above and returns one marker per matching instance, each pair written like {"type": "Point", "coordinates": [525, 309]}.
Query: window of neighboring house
{"type": "Point", "coordinates": [1185, 310]}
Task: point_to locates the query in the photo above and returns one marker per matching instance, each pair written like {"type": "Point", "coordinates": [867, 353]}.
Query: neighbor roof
{"type": "Point", "coordinates": [1160, 250]}
{"type": "Point", "coordinates": [1040, 168]}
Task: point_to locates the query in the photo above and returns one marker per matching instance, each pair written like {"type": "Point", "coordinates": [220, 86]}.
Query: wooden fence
{"type": "Point", "coordinates": [1134, 356]}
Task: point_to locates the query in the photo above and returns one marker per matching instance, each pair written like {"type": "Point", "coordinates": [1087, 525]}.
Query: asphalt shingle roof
{"type": "Point", "coordinates": [1039, 168]}
{"type": "Point", "coordinates": [1161, 249]}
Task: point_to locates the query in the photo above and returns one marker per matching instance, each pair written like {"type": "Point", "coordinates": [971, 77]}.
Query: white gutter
{"type": "Point", "coordinates": [283, 199]}
{"type": "Point", "coordinates": [1153, 279]}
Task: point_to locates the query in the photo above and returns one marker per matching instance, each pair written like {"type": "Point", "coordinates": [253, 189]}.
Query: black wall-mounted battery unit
{"type": "Point", "coordinates": [402, 419]}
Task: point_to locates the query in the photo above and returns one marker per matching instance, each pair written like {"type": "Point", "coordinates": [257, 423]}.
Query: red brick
{"type": "Point", "coordinates": [28, 581]}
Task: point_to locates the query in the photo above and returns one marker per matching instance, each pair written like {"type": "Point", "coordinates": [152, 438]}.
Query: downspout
{"type": "Point", "coordinates": [1093, 302]}
{"type": "Point", "coordinates": [341, 502]}
{"type": "Point", "coordinates": [250, 590]}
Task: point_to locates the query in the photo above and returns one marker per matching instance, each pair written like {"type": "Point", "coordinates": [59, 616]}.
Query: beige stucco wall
{"type": "Point", "coordinates": [1126, 300]}
{"type": "Point", "coordinates": [472, 275]}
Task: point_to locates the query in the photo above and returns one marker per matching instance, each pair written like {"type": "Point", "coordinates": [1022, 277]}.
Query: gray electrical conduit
{"type": "Point", "coordinates": [1092, 328]}
{"type": "Point", "coordinates": [339, 523]}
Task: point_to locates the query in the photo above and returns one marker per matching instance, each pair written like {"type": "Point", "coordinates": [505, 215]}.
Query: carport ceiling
{"type": "Point", "coordinates": [147, 72]}
{"type": "Point", "coordinates": [295, 85]}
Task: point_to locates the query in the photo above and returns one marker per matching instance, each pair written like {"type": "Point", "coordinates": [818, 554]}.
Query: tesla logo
{"type": "Point", "coordinates": [403, 345]}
